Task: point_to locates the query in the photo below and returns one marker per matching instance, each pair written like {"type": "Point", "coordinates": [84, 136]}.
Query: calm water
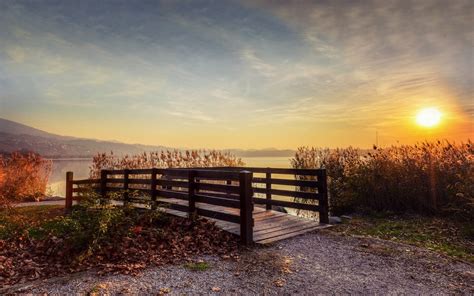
{"type": "Point", "coordinates": [57, 180]}
{"type": "Point", "coordinates": [80, 167]}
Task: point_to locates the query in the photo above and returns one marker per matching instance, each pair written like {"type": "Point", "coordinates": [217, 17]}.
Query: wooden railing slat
{"type": "Point", "coordinates": [217, 201]}
{"type": "Point", "coordinates": [222, 175]}
{"type": "Point", "coordinates": [172, 194]}
{"type": "Point", "coordinates": [218, 188]}
{"type": "Point", "coordinates": [289, 182]}
{"type": "Point", "coordinates": [287, 204]}
{"type": "Point", "coordinates": [282, 171]}
{"type": "Point", "coordinates": [218, 215]}
{"type": "Point", "coordinates": [221, 195]}
{"type": "Point", "coordinates": [298, 194]}
{"type": "Point", "coordinates": [86, 181]}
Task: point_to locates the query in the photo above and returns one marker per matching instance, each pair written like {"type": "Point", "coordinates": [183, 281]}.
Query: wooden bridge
{"type": "Point", "coordinates": [226, 195]}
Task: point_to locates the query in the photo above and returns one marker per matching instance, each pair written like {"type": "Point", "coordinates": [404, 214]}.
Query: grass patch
{"type": "Point", "coordinates": [16, 222]}
{"type": "Point", "coordinates": [197, 266]}
{"type": "Point", "coordinates": [448, 237]}
{"type": "Point", "coordinates": [34, 213]}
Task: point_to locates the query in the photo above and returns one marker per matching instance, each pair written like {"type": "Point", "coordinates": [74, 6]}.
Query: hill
{"type": "Point", "coordinates": [19, 137]}
{"type": "Point", "coordinates": [15, 136]}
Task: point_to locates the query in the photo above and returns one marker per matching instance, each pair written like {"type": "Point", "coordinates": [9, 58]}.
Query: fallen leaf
{"type": "Point", "coordinates": [163, 291]}
{"type": "Point", "coordinates": [279, 282]}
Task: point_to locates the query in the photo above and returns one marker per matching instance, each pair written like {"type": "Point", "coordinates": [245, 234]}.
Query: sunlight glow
{"type": "Point", "coordinates": [428, 117]}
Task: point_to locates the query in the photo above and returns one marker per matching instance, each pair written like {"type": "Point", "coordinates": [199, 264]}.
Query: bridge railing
{"type": "Point", "coordinates": [299, 189]}
{"type": "Point", "coordinates": [229, 187]}
{"type": "Point", "coordinates": [158, 187]}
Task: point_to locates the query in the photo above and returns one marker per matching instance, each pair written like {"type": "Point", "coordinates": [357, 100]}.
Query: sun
{"type": "Point", "coordinates": [428, 117]}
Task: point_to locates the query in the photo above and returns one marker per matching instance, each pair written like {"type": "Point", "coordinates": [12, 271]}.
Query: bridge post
{"type": "Point", "coordinates": [323, 198]}
{"type": "Point", "coordinates": [153, 188]}
{"type": "Point", "coordinates": [69, 178]}
{"type": "Point", "coordinates": [191, 192]}
{"type": "Point", "coordinates": [268, 188]}
{"type": "Point", "coordinates": [246, 207]}
{"type": "Point", "coordinates": [126, 179]}
{"type": "Point", "coordinates": [103, 183]}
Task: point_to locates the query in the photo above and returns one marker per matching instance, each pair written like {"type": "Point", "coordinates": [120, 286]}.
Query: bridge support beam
{"type": "Point", "coordinates": [246, 207]}
{"type": "Point", "coordinates": [69, 178]}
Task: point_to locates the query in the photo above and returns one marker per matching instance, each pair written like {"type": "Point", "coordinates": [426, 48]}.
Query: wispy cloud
{"type": "Point", "coordinates": [257, 63]}
{"type": "Point", "coordinates": [16, 54]}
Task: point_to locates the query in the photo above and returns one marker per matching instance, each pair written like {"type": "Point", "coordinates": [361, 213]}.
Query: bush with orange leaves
{"type": "Point", "coordinates": [163, 159]}
{"type": "Point", "coordinates": [23, 177]}
{"type": "Point", "coordinates": [428, 178]}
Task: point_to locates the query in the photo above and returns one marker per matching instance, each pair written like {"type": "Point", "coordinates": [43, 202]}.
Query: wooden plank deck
{"type": "Point", "coordinates": [269, 226]}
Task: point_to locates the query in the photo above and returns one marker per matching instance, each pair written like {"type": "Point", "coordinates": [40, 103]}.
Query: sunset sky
{"type": "Point", "coordinates": [230, 74]}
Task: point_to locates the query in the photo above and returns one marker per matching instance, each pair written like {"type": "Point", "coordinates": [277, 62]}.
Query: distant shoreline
{"type": "Point", "coordinates": [70, 158]}
{"type": "Point", "coordinates": [90, 158]}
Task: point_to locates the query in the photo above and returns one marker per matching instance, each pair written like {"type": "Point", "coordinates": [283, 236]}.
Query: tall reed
{"type": "Point", "coordinates": [163, 159]}
{"type": "Point", "coordinates": [428, 178]}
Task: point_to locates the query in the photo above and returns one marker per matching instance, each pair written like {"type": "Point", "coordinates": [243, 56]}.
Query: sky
{"type": "Point", "coordinates": [239, 74]}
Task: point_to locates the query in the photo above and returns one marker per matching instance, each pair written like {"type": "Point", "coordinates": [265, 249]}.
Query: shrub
{"type": "Point", "coordinates": [23, 177]}
{"type": "Point", "coordinates": [426, 178]}
{"type": "Point", "coordinates": [163, 159]}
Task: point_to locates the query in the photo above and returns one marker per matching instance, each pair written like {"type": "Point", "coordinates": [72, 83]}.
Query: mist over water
{"type": "Point", "coordinates": [80, 168]}
{"type": "Point", "coordinates": [57, 179]}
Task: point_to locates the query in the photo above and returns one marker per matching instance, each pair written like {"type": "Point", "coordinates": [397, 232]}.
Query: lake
{"type": "Point", "coordinates": [80, 167]}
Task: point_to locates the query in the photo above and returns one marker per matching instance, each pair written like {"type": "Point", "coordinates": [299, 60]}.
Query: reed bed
{"type": "Point", "coordinates": [426, 178]}
{"type": "Point", "coordinates": [163, 159]}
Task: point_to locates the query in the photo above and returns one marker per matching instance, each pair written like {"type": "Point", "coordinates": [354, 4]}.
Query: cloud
{"type": "Point", "coordinates": [389, 48]}
{"type": "Point", "coordinates": [16, 54]}
{"type": "Point", "coordinates": [191, 114]}
{"type": "Point", "coordinates": [265, 69]}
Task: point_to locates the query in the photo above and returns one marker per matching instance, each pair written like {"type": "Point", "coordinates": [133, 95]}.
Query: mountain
{"type": "Point", "coordinates": [19, 137]}
{"type": "Point", "coordinates": [15, 136]}
{"type": "Point", "coordinates": [15, 128]}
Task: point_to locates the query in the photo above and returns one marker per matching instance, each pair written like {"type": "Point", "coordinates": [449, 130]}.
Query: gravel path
{"type": "Point", "coordinates": [316, 263]}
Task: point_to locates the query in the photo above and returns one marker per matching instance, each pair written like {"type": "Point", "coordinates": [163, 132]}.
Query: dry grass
{"type": "Point", "coordinates": [163, 159]}
{"type": "Point", "coordinates": [427, 178]}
